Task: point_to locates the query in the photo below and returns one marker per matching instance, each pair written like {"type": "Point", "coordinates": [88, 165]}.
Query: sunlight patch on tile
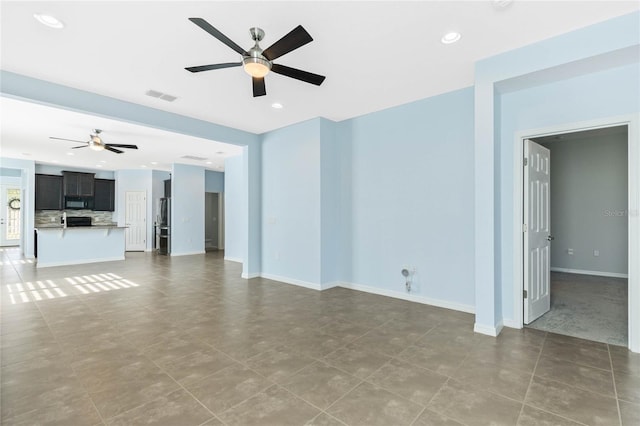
{"type": "Point", "coordinates": [35, 291]}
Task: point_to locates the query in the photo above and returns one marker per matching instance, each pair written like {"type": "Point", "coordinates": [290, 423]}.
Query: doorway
{"type": "Point", "coordinates": [10, 215]}
{"type": "Point", "coordinates": [213, 221]}
{"type": "Point", "coordinates": [135, 220]}
{"type": "Point", "coordinates": [584, 218]}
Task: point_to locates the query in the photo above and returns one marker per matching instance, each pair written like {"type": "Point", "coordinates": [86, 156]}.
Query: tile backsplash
{"type": "Point", "coordinates": [43, 217]}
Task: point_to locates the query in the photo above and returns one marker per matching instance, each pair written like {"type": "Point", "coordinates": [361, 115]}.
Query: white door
{"type": "Point", "coordinates": [136, 220]}
{"type": "Point", "coordinates": [537, 236]}
{"type": "Point", "coordinates": [10, 226]}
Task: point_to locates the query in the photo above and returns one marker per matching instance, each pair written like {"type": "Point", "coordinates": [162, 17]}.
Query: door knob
{"type": "Point", "coordinates": [550, 238]}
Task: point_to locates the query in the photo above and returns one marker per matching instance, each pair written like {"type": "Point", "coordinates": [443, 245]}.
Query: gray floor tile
{"type": "Point", "coordinates": [369, 405]}
{"type": "Point", "coordinates": [573, 403]}
{"type": "Point", "coordinates": [471, 406]}
{"type": "Point", "coordinates": [275, 406]}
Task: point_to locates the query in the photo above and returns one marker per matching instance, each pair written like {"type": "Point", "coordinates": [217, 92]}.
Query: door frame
{"type": "Point", "coordinates": [16, 182]}
{"type": "Point", "coordinates": [632, 121]}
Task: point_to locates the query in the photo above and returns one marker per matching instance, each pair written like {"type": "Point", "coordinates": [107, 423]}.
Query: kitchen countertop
{"type": "Point", "coordinates": [58, 226]}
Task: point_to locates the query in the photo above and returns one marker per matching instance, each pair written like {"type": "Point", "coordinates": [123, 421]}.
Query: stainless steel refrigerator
{"type": "Point", "coordinates": [163, 226]}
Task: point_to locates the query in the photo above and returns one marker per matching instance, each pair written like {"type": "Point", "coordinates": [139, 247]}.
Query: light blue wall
{"type": "Point", "coordinates": [291, 202]}
{"type": "Point", "coordinates": [332, 181]}
{"type": "Point", "coordinates": [610, 44]}
{"type": "Point", "coordinates": [603, 94]}
{"type": "Point", "coordinates": [213, 181]}
{"type": "Point", "coordinates": [4, 171]}
{"type": "Point", "coordinates": [187, 209]}
{"type": "Point", "coordinates": [412, 198]}
{"type": "Point", "coordinates": [234, 231]}
{"type": "Point", "coordinates": [57, 170]}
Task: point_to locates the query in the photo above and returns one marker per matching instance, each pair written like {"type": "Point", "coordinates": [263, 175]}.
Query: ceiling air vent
{"type": "Point", "coordinates": [163, 96]}
{"type": "Point", "coordinates": [193, 157]}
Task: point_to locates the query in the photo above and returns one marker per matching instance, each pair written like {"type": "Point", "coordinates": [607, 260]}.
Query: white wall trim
{"type": "Point", "coordinates": [233, 259]}
{"type": "Point", "coordinates": [488, 330]}
{"type": "Point", "coordinates": [292, 281]}
{"type": "Point", "coordinates": [633, 123]}
{"type": "Point", "coordinates": [327, 286]}
{"type": "Point", "coordinates": [585, 272]}
{"type": "Point", "coordinates": [78, 262]}
{"type": "Point", "coordinates": [410, 297]}
{"type": "Point", "coordinates": [511, 323]}
{"type": "Point", "coordinates": [249, 276]}
{"type": "Point", "coordinates": [188, 253]}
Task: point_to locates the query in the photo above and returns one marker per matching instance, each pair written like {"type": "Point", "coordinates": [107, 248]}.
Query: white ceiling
{"type": "Point", "coordinates": [375, 55]}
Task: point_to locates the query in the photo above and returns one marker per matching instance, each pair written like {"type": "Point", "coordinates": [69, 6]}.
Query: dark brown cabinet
{"type": "Point", "coordinates": [104, 195]}
{"type": "Point", "coordinates": [48, 192]}
{"type": "Point", "coordinates": [78, 184]}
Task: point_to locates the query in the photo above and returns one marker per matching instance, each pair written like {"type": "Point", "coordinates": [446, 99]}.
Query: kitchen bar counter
{"type": "Point", "coordinates": [59, 246]}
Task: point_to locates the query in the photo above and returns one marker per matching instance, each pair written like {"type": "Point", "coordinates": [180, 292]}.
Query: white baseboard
{"type": "Point", "coordinates": [292, 281]}
{"type": "Point", "coordinates": [327, 286]}
{"type": "Point", "coordinates": [487, 329]}
{"type": "Point", "coordinates": [233, 259]}
{"type": "Point", "coordinates": [512, 323]}
{"type": "Point", "coordinates": [411, 297]}
{"type": "Point", "coordinates": [188, 253]}
{"type": "Point", "coordinates": [77, 262]}
{"type": "Point", "coordinates": [249, 276]}
{"type": "Point", "coordinates": [584, 272]}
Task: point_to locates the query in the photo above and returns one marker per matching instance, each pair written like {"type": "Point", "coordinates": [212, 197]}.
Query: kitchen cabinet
{"type": "Point", "coordinates": [48, 192]}
{"type": "Point", "coordinates": [78, 184]}
{"type": "Point", "coordinates": [104, 195]}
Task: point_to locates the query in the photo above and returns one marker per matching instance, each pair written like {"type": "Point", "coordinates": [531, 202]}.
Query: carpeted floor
{"type": "Point", "coordinates": [589, 307]}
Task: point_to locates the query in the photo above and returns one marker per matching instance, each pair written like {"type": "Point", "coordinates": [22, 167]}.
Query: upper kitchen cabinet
{"type": "Point", "coordinates": [105, 195]}
{"type": "Point", "coordinates": [48, 192]}
{"type": "Point", "coordinates": [76, 183]}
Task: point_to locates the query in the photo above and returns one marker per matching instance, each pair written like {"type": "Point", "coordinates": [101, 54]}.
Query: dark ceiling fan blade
{"type": "Point", "coordinates": [296, 38]}
{"type": "Point", "coordinates": [70, 140]}
{"type": "Point", "coordinates": [213, 66]}
{"type": "Point", "coordinates": [81, 146]}
{"type": "Point", "coordinates": [117, 151]}
{"type": "Point", "coordinates": [258, 86]}
{"type": "Point", "coordinates": [217, 34]}
{"type": "Point", "coordinates": [119, 145]}
{"type": "Point", "coordinates": [305, 76]}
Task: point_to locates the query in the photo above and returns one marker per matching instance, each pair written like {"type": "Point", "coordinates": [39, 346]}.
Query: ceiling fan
{"type": "Point", "coordinates": [258, 62]}
{"type": "Point", "coordinates": [96, 143]}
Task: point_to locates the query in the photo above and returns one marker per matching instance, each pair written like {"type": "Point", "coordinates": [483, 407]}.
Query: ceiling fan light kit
{"type": "Point", "coordinates": [258, 62]}
{"type": "Point", "coordinates": [96, 143]}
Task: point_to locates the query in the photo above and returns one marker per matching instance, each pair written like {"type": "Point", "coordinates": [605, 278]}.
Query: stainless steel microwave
{"type": "Point", "coordinates": [78, 203]}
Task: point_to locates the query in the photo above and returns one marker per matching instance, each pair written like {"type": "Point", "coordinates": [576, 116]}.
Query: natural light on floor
{"type": "Point", "coordinates": [48, 289]}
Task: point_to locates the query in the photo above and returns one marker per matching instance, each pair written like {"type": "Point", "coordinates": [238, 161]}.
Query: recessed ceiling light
{"type": "Point", "coordinates": [48, 20]}
{"type": "Point", "coordinates": [143, 166]}
{"type": "Point", "coordinates": [26, 154]}
{"type": "Point", "coordinates": [103, 161]}
{"type": "Point", "coordinates": [277, 105]}
{"type": "Point", "coordinates": [98, 165]}
{"type": "Point", "coordinates": [451, 37]}
{"type": "Point", "coordinates": [209, 162]}
{"type": "Point", "coordinates": [70, 153]}
{"type": "Point", "coordinates": [154, 162]}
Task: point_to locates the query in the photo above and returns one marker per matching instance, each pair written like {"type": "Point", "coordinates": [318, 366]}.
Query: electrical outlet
{"type": "Point", "coordinates": [570, 252]}
{"type": "Point", "coordinates": [596, 253]}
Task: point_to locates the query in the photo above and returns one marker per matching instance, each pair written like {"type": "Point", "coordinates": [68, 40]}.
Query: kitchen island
{"type": "Point", "coordinates": [59, 246]}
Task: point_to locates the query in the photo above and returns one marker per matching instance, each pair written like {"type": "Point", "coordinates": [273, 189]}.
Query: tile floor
{"type": "Point", "coordinates": [185, 341]}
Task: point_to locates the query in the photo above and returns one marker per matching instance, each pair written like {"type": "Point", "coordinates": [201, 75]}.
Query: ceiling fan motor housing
{"type": "Point", "coordinates": [255, 64]}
